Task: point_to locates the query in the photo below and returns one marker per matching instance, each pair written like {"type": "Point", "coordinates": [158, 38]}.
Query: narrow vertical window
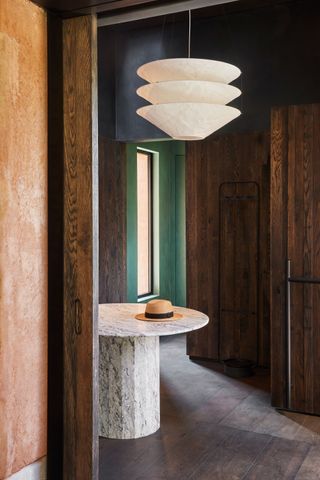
{"type": "Point", "coordinates": [145, 222]}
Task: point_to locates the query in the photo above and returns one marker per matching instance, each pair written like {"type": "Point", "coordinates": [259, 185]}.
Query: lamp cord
{"type": "Point", "coordinates": [189, 36]}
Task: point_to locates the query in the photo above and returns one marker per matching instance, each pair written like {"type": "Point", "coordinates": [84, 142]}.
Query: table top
{"type": "Point", "coordinates": [117, 320]}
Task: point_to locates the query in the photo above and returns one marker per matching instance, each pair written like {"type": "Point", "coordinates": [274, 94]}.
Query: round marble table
{"type": "Point", "coordinates": [129, 372]}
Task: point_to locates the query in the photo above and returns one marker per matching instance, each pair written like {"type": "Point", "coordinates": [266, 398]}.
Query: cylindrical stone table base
{"type": "Point", "coordinates": [129, 386]}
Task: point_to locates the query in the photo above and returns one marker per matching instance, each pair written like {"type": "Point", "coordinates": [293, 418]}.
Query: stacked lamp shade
{"type": "Point", "coordinates": [188, 96]}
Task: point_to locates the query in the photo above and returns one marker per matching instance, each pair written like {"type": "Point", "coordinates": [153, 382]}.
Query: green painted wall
{"type": "Point", "coordinates": [169, 191]}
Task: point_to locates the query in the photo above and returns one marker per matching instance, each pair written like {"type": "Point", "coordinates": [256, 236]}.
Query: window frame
{"type": "Point", "coordinates": [150, 293]}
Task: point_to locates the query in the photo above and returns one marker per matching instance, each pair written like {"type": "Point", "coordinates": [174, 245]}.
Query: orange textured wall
{"type": "Point", "coordinates": [23, 234]}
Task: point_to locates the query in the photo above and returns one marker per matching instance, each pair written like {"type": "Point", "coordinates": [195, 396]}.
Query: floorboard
{"type": "Point", "coordinates": [215, 427]}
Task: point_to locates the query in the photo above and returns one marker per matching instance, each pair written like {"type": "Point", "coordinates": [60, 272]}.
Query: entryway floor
{"type": "Point", "coordinates": [215, 428]}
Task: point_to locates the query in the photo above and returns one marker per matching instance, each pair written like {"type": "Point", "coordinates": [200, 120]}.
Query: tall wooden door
{"type": "Point", "coordinates": [295, 237]}
{"type": "Point", "coordinates": [73, 249]}
{"type": "Point", "coordinates": [81, 341]}
{"type": "Point", "coordinates": [227, 242]}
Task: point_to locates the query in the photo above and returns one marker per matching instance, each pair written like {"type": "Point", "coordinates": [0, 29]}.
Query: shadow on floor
{"type": "Point", "coordinates": [215, 427]}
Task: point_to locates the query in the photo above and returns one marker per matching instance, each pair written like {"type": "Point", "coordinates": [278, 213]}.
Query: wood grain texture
{"type": "Point", "coordinates": [278, 254]}
{"type": "Point", "coordinates": [112, 221]}
{"type": "Point", "coordinates": [280, 460]}
{"type": "Point", "coordinates": [303, 250]}
{"type": "Point", "coordinates": [239, 270]}
{"type": "Point", "coordinates": [209, 164]}
{"type": "Point", "coordinates": [80, 250]}
{"type": "Point", "coordinates": [310, 468]}
{"type": "Point", "coordinates": [215, 427]}
{"type": "Point", "coordinates": [295, 214]}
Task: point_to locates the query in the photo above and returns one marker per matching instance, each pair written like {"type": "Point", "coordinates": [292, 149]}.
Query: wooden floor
{"type": "Point", "coordinates": [215, 428]}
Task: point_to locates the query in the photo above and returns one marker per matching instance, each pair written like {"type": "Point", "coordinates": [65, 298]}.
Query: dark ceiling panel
{"type": "Point", "coordinates": [103, 7]}
{"type": "Point", "coordinates": [86, 6]}
{"type": "Point", "coordinates": [270, 44]}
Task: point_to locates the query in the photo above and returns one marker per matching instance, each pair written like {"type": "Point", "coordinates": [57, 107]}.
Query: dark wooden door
{"type": "Point", "coordinates": [81, 341]}
{"type": "Point", "coordinates": [73, 246]}
{"type": "Point", "coordinates": [296, 233]}
{"type": "Point", "coordinates": [227, 244]}
{"type": "Point", "coordinates": [239, 270]}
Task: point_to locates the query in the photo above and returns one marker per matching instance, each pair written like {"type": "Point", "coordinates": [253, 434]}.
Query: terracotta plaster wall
{"type": "Point", "coordinates": [23, 234]}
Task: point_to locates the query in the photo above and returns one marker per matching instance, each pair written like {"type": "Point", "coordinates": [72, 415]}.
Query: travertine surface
{"type": "Point", "coordinates": [23, 235]}
{"type": "Point", "coordinates": [117, 319]}
{"type": "Point", "coordinates": [129, 387]}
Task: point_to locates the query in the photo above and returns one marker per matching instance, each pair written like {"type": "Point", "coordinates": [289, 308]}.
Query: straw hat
{"type": "Point", "coordinates": [159, 311]}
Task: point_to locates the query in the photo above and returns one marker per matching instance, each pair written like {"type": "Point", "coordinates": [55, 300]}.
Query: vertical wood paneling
{"type": "Point", "coordinates": [199, 247]}
{"type": "Point", "coordinates": [264, 265]}
{"type": "Point", "coordinates": [112, 222]}
{"type": "Point", "coordinates": [239, 269]}
{"type": "Point", "coordinates": [278, 253]}
{"type": "Point", "coordinates": [315, 339]}
{"type": "Point", "coordinates": [80, 250]}
{"type": "Point", "coordinates": [303, 195]}
{"type": "Point", "coordinates": [209, 164]}
{"type": "Point", "coordinates": [295, 235]}
{"type": "Point", "coordinates": [297, 252]}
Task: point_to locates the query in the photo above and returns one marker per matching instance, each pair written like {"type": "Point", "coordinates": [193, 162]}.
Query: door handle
{"type": "Point", "coordinates": [289, 333]}
{"type": "Point", "coordinates": [78, 317]}
{"type": "Point", "coordinates": [304, 280]}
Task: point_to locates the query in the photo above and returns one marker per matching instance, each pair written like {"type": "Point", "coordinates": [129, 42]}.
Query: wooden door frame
{"type": "Point", "coordinates": [73, 249]}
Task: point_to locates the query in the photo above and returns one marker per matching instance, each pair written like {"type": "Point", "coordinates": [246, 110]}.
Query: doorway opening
{"type": "Point", "coordinates": [222, 249]}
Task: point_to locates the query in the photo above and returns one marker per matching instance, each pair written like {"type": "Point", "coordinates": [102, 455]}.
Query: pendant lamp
{"type": "Point", "coordinates": [188, 96]}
